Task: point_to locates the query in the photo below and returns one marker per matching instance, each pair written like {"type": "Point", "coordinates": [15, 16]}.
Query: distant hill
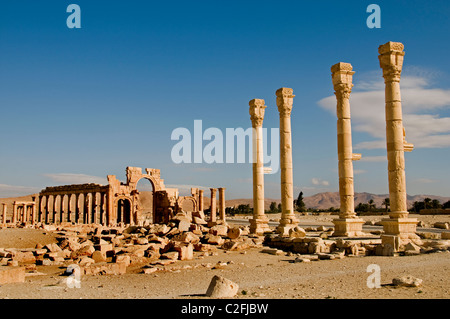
{"type": "Point", "coordinates": [331, 199]}
{"type": "Point", "coordinates": [317, 201]}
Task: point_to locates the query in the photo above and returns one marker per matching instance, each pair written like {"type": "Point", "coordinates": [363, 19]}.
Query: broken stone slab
{"type": "Point", "coordinates": [172, 255]}
{"type": "Point", "coordinates": [105, 269]}
{"type": "Point", "coordinates": [323, 256]}
{"type": "Point", "coordinates": [445, 235]}
{"type": "Point", "coordinates": [302, 260]}
{"type": "Point", "coordinates": [141, 241]}
{"type": "Point", "coordinates": [199, 221]}
{"type": "Point", "coordinates": [187, 237]}
{"type": "Point", "coordinates": [234, 232]}
{"type": "Point", "coordinates": [204, 247]}
{"type": "Point", "coordinates": [219, 230]}
{"type": "Point", "coordinates": [185, 252]}
{"type": "Point", "coordinates": [98, 256]}
{"type": "Point", "coordinates": [12, 275]}
{"type": "Point", "coordinates": [184, 225]}
{"type": "Point", "coordinates": [441, 225]}
{"type": "Point", "coordinates": [297, 232]}
{"type": "Point", "coordinates": [221, 287]}
{"type": "Point", "coordinates": [150, 270]}
{"type": "Point", "coordinates": [215, 240]}
{"type": "Point", "coordinates": [272, 251]}
{"type": "Point", "coordinates": [407, 281]}
{"type": "Point", "coordinates": [53, 247]}
{"type": "Point", "coordinates": [24, 257]}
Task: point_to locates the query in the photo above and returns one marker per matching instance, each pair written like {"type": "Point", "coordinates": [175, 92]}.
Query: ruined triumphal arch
{"type": "Point", "coordinates": [115, 203]}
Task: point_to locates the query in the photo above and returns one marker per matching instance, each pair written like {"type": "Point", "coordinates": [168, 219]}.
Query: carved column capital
{"type": "Point", "coordinates": [342, 76]}
{"type": "Point", "coordinates": [285, 100]}
{"type": "Point", "coordinates": [391, 60]}
{"type": "Point", "coordinates": [257, 110]}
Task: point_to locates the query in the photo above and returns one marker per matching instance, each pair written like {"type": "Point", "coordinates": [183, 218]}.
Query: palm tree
{"type": "Point", "coordinates": [371, 204]}
{"type": "Point", "coordinates": [427, 202]}
{"type": "Point", "coordinates": [386, 203]}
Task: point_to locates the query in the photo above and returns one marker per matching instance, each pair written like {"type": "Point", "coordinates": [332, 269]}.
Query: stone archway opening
{"type": "Point", "coordinates": [145, 199]}
{"type": "Point", "coordinates": [124, 211]}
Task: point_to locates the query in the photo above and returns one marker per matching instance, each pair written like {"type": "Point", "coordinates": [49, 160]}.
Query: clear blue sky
{"type": "Point", "coordinates": [79, 104]}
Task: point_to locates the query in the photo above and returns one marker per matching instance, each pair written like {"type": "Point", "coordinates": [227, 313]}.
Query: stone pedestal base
{"type": "Point", "coordinates": [348, 227]}
{"type": "Point", "coordinates": [286, 224]}
{"type": "Point", "coordinates": [259, 226]}
{"type": "Point", "coordinates": [400, 226]}
{"type": "Point", "coordinates": [398, 232]}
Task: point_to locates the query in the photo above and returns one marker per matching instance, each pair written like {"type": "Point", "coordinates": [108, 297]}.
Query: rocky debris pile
{"type": "Point", "coordinates": [110, 250]}
{"type": "Point", "coordinates": [323, 246]}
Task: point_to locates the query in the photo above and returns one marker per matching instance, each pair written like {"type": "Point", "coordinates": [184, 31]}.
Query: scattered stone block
{"type": "Point", "coordinates": [172, 255]}
{"type": "Point", "coordinates": [185, 252]}
{"type": "Point", "coordinates": [98, 256]}
{"type": "Point", "coordinates": [126, 259]}
{"type": "Point", "coordinates": [221, 287]}
{"type": "Point", "coordinates": [302, 260]}
{"type": "Point", "coordinates": [150, 270]}
{"type": "Point", "coordinates": [297, 232]}
{"type": "Point", "coordinates": [53, 247]}
{"type": "Point", "coordinates": [219, 230]}
{"type": "Point", "coordinates": [24, 257]}
{"type": "Point", "coordinates": [215, 240]}
{"type": "Point", "coordinates": [272, 251]}
{"type": "Point", "coordinates": [234, 232]}
{"type": "Point", "coordinates": [407, 281]}
{"type": "Point", "coordinates": [445, 235]}
{"type": "Point", "coordinates": [12, 275]}
{"type": "Point", "coordinates": [441, 225]}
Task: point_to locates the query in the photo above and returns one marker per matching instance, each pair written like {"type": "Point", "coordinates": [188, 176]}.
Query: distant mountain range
{"type": "Point", "coordinates": [331, 199]}
{"type": "Point", "coordinates": [317, 201]}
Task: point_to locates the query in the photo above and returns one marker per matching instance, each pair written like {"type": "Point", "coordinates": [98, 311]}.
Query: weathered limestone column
{"type": "Point", "coordinates": [33, 212]}
{"type": "Point", "coordinates": [212, 217]}
{"type": "Point", "coordinates": [260, 223]}
{"type": "Point", "coordinates": [200, 200]}
{"type": "Point", "coordinates": [96, 207]}
{"type": "Point", "coordinates": [39, 209]}
{"type": "Point", "coordinates": [14, 215]}
{"type": "Point", "coordinates": [5, 208]}
{"type": "Point", "coordinates": [285, 99]}
{"type": "Point", "coordinates": [24, 213]}
{"type": "Point", "coordinates": [222, 204]}
{"type": "Point", "coordinates": [399, 229]}
{"type": "Point", "coordinates": [347, 224]}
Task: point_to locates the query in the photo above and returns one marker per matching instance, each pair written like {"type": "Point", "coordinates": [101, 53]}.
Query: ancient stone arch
{"type": "Point", "coordinates": [187, 203]}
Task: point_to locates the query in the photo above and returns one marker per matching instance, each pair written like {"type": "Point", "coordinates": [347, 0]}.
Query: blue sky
{"type": "Point", "coordinates": [79, 104]}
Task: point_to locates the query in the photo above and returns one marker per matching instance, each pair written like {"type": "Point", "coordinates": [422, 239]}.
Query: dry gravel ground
{"type": "Point", "coordinates": [259, 275]}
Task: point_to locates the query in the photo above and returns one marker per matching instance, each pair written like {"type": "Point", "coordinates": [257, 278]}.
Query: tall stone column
{"type": "Point", "coordinates": [25, 213]}
{"type": "Point", "coordinates": [14, 215]}
{"type": "Point", "coordinates": [222, 204]}
{"type": "Point", "coordinates": [200, 200]}
{"type": "Point", "coordinates": [347, 224]}
{"type": "Point", "coordinates": [260, 223]}
{"type": "Point", "coordinates": [5, 208]}
{"type": "Point", "coordinates": [399, 229]}
{"type": "Point", "coordinates": [33, 212]}
{"type": "Point", "coordinates": [96, 207]}
{"type": "Point", "coordinates": [285, 99]}
{"type": "Point", "coordinates": [213, 217]}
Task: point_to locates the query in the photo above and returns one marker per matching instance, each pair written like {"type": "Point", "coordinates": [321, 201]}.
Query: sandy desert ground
{"type": "Point", "coordinates": [259, 275]}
